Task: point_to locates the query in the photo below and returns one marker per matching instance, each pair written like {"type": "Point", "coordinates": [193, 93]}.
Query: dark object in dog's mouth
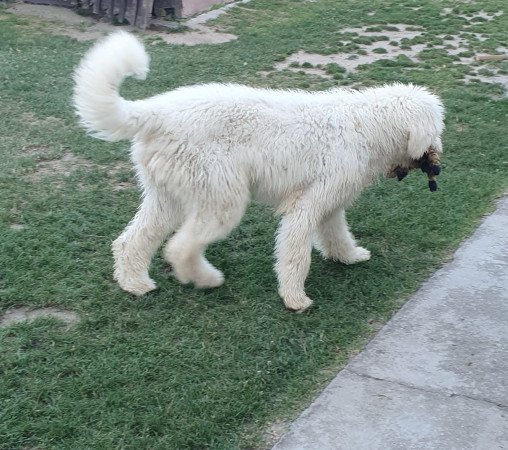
{"type": "Point", "coordinates": [429, 163]}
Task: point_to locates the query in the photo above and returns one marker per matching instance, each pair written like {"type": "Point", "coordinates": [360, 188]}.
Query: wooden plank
{"type": "Point", "coordinates": [490, 57]}
{"type": "Point", "coordinates": [121, 11]}
{"type": "Point", "coordinates": [158, 8]}
{"type": "Point", "coordinates": [131, 11]}
{"type": "Point", "coordinates": [42, 2]}
{"type": "Point", "coordinates": [111, 9]}
{"type": "Point", "coordinates": [63, 3]}
{"type": "Point", "coordinates": [144, 13]}
{"type": "Point", "coordinates": [85, 5]}
{"type": "Point", "coordinates": [177, 6]}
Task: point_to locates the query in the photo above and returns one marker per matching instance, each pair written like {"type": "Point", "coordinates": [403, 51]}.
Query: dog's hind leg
{"type": "Point", "coordinates": [135, 247]}
{"type": "Point", "coordinates": [185, 250]}
{"type": "Point", "coordinates": [334, 240]}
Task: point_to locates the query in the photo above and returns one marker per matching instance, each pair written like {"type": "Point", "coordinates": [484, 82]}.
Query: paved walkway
{"type": "Point", "coordinates": [436, 376]}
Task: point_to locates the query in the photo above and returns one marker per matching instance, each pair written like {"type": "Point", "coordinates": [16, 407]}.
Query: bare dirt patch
{"type": "Point", "coordinates": [395, 42]}
{"type": "Point", "coordinates": [482, 15]}
{"type": "Point", "coordinates": [50, 13]}
{"type": "Point", "coordinates": [399, 32]}
{"type": "Point", "coordinates": [123, 185]}
{"type": "Point", "coordinates": [273, 433]}
{"type": "Point", "coordinates": [64, 21]}
{"type": "Point", "coordinates": [199, 35]}
{"type": "Point", "coordinates": [65, 166]}
{"type": "Point", "coordinates": [388, 48]}
{"type": "Point", "coordinates": [486, 71]}
{"type": "Point", "coordinates": [31, 119]}
{"type": "Point", "coordinates": [67, 23]}
{"type": "Point", "coordinates": [24, 314]}
{"type": "Point", "coordinates": [35, 150]}
{"type": "Point", "coordinates": [474, 17]}
{"type": "Point", "coordinates": [454, 45]}
{"type": "Point", "coordinates": [494, 78]}
{"type": "Point", "coordinates": [120, 174]}
{"type": "Point", "coordinates": [214, 14]}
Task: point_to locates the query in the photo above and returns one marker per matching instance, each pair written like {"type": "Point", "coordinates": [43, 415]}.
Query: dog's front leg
{"type": "Point", "coordinates": [293, 254]}
{"type": "Point", "coordinates": [334, 240]}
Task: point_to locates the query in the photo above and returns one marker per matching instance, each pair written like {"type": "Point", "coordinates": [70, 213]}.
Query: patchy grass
{"type": "Point", "coordinates": [181, 368]}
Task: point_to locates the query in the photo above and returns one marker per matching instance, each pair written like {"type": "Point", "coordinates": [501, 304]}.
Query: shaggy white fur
{"type": "Point", "coordinates": [202, 152]}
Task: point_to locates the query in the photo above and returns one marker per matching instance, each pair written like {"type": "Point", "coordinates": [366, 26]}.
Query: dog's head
{"type": "Point", "coordinates": [429, 163]}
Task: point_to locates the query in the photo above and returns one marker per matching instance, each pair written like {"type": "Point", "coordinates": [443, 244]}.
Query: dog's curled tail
{"type": "Point", "coordinates": [102, 111]}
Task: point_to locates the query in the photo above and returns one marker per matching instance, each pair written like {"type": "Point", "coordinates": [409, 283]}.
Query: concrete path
{"type": "Point", "coordinates": [436, 376]}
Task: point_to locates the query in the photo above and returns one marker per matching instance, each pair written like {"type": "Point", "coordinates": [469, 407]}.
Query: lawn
{"type": "Point", "coordinates": [224, 368]}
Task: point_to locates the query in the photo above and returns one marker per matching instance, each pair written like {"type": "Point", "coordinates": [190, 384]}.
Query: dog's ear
{"type": "Point", "coordinates": [423, 137]}
{"type": "Point", "coordinates": [418, 143]}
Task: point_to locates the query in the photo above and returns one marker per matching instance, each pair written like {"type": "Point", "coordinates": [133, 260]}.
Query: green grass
{"type": "Point", "coordinates": [182, 368]}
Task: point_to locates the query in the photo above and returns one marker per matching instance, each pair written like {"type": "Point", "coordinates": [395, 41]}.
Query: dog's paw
{"type": "Point", "coordinates": [358, 254]}
{"type": "Point", "coordinates": [133, 285]}
{"type": "Point", "coordinates": [210, 279]}
{"type": "Point", "coordinates": [296, 302]}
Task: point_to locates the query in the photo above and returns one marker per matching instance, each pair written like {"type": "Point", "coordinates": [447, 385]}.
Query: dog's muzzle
{"type": "Point", "coordinates": [429, 163]}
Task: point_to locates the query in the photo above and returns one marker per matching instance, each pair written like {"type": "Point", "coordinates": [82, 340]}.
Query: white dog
{"type": "Point", "coordinates": [202, 152]}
